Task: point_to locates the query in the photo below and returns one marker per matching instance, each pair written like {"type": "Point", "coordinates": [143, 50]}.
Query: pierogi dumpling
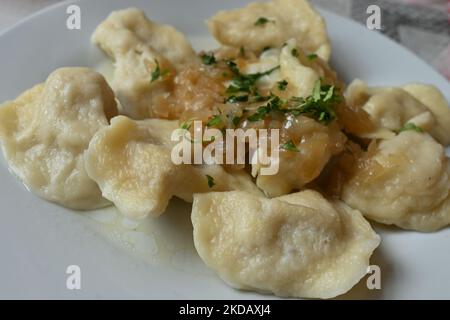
{"type": "Point", "coordinates": [318, 142]}
{"type": "Point", "coordinates": [142, 50]}
{"type": "Point", "coordinates": [300, 72]}
{"type": "Point", "coordinates": [391, 108]}
{"type": "Point", "coordinates": [299, 245]}
{"type": "Point", "coordinates": [437, 104]}
{"type": "Point", "coordinates": [300, 77]}
{"type": "Point", "coordinates": [405, 182]}
{"type": "Point", "coordinates": [270, 24]}
{"type": "Point", "coordinates": [131, 162]}
{"type": "Point", "coordinates": [45, 131]}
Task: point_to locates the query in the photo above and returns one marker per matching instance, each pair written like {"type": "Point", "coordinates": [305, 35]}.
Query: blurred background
{"type": "Point", "coordinates": [423, 26]}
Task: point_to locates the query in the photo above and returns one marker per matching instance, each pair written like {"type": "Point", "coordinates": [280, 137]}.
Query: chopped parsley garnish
{"type": "Point", "coordinates": [329, 94]}
{"type": "Point", "coordinates": [274, 104]}
{"type": "Point", "coordinates": [233, 67]}
{"type": "Point", "coordinates": [410, 126]}
{"type": "Point", "coordinates": [257, 97]}
{"type": "Point", "coordinates": [210, 180]}
{"type": "Point", "coordinates": [186, 125]}
{"type": "Point", "coordinates": [213, 138]}
{"type": "Point", "coordinates": [290, 146]}
{"type": "Point", "coordinates": [319, 105]}
{"type": "Point", "coordinates": [312, 56]}
{"type": "Point", "coordinates": [244, 82]}
{"type": "Point", "coordinates": [208, 59]}
{"type": "Point", "coordinates": [262, 21]}
{"type": "Point", "coordinates": [317, 91]}
{"type": "Point", "coordinates": [214, 121]}
{"type": "Point", "coordinates": [282, 85]}
{"type": "Point", "coordinates": [260, 114]}
{"type": "Point", "coordinates": [236, 99]}
{"type": "Point", "coordinates": [236, 120]}
{"type": "Point", "coordinates": [294, 52]}
{"type": "Point", "coordinates": [157, 73]}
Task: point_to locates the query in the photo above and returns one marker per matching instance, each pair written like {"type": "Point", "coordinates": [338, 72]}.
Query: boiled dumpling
{"type": "Point", "coordinates": [406, 182]}
{"type": "Point", "coordinates": [299, 245]}
{"type": "Point", "coordinates": [45, 131]}
{"type": "Point", "coordinates": [142, 50]}
{"type": "Point", "coordinates": [301, 78]}
{"type": "Point", "coordinates": [392, 108]}
{"type": "Point", "coordinates": [131, 161]}
{"type": "Point", "coordinates": [317, 144]}
{"type": "Point", "coordinates": [126, 29]}
{"type": "Point", "coordinates": [434, 100]}
{"type": "Point", "coordinates": [300, 72]}
{"type": "Point", "coordinates": [270, 24]}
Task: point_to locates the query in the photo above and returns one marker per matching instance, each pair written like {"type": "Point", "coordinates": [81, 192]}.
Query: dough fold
{"type": "Point", "coordinates": [45, 131]}
{"type": "Point", "coordinates": [299, 245]}
{"type": "Point", "coordinates": [131, 162]}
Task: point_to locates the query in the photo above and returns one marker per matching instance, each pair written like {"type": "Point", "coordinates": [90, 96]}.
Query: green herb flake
{"type": "Point", "coordinates": [411, 126]}
{"type": "Point", "coordinates": [244, 82]}
{"type": "Point", "coordinates": [319, 105]}
{"type": "Point", "coordinates": [289, 146]}
{"type": "Point", "coordinates": [213, 138]}
{"type": "Point", "coordinates": [156, 73]}
{"type": "Point", "coordinates": [208, 59]}
{"type": "Point", "coordinates": [312, 56]}
{"type": "Point", "coordinates": [257, 97]}
{"type": "Point", "coordinates": [329, 94]}
{"type": "Point", "coordinates": [210, 180]}
{"type": "Point", "coordinates": [322, 116]}
{"type": "Point", "coordinates": [263, 21]}
{"type": "Point", "coordinates": [260, 114]}
{"type": "Point", "coordinates": [214, 121]}
{"type": "Point", "coordinates": [233, 67]}
{"type": "Point", "coordinates": [317, 91]}
{"type": "Point", "coordinates": [282, 85]}
{"type": "Point", "coordinates": [186, 125]}
{"type": "Point", "coordinates": [236, 120]}
{"type": "Point", "coordinates": [275, 104]}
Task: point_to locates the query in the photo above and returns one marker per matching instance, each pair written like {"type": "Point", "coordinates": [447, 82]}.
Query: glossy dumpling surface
{"type": "Point", "coordinates": [131, 161]}
{"type": "Point", "coordinates": [270, 24]}
{"type": "Point", "coordinates": [391, 108]}
{"type": "Point", "coordinates": [405, 182]}
{"type": "Point", "coordinates": [299, 245]}
{"type": "Point", "coordinates": [45, 131]}
{"type": "Point", "coordinates": [142, 49]}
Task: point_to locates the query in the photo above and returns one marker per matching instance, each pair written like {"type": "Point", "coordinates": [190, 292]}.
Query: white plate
{"type": "Point", "coordinates": [38, 240]}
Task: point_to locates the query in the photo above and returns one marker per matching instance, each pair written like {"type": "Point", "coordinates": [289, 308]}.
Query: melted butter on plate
{"type": "Point", "coordinates": [163, 241]}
